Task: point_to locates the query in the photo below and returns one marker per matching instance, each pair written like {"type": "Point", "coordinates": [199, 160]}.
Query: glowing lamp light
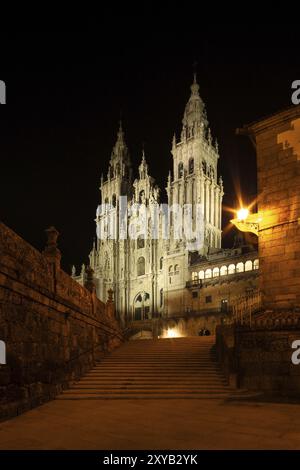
{"type": "Point", "coordinates": [242, 214]}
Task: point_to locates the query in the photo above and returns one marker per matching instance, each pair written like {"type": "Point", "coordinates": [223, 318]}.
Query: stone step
{"type": "Point", "coordinates": [158, 369]}
{"type": "Point", "coordinates": [196, 383]}
{"type": "Point", "coordinates": [153, 396]}
{"type": "Point", "coordinates": [168, 371]}
{"type": "Point", "coordinates": [147, 389]}
{"type": "Point", "coordinates": [144, 391]}
{"type": "Point", "coordinates": [185, 362]}
{"type": "Point", "coordinates": [153, 377]}
{"type": "Point", "coordinates": [167, 366]}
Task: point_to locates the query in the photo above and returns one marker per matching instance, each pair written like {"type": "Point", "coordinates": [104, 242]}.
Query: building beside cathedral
{"type": "Point", "coordinates": [154, 278]}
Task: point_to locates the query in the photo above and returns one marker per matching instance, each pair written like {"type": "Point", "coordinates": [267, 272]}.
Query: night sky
{"type": "Point", "coordinates": [65, 92]}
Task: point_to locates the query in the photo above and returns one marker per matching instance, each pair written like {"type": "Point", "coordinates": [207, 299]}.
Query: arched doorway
{"type": "Point", "coordinates": [141, 307]}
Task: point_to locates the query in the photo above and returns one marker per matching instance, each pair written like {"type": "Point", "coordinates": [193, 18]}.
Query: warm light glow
{"type": "Point", "coordinates": [242, 213]}
{"type": "Point", "coordinates": [172, 333]}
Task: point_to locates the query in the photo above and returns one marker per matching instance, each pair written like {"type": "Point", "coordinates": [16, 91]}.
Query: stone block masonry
{"type": "Point", "coordinates": [259, 357]}
{"type": "Point", "coordinates": [259, 353]}
{"type": "Point", "coordinates": [278, 164]}
{"type": "Point", "coordinates": [53, 328]}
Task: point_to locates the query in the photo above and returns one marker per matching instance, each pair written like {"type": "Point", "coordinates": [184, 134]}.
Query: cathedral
{"type": "Point", "coordinates": [149, 276]}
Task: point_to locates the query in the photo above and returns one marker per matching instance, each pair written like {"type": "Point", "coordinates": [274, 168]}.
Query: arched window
{"type": "Point", "coordinates": [191, 165]}
{"type": "Point", "coordinates": [141, 266]}
{"type": "Point", "coordinates": [140, 241]}
{"type": "Point", "coordinates": [208, 273]}
{"type": "Point", "coordinates": [111, 172]}
{"type": "Point", "coordinates": [256, 264]}
{"type": "Point", "coordinates": [240, 267]}
{"type": "Point", "coordinates": [194, 276]}
{"type": "Point", "coordinates": [248, 265]}
{"type": "Point", "coordinates": [141, 307]}
{"type": "Point", "coordinates": [176, 269]}
{"type": "Point", "coordinates": [161, 297]}
{"type": "Point", "coordinates": [216, 272]}
{"type": "Point", "coordinates": [117, 169]}
{"type": "Point", "coordinates": [231, 269]}
{"type": "Point", "coordinates": [161, 263]}
{"type": "Point", "coordinates": [204, 167]}
{"type": "Point", "coordinates": [180, 170]}
{"type": "Point", "coordinates": [223, 271]}
{"type": "Point", "coordinates": [201, 275]}
{"type": "Point", "coordinates": [142, 197]}
{"type": "Point", "coordinates": [114, 200]}
{"type": "Point", "coordinates": [171, 269]}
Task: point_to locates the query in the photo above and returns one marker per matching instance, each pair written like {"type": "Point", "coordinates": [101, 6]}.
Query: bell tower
{"type": "Point", "coordinates": [195, 178]}
{"type": "Point", "coordinates": [119, 175]}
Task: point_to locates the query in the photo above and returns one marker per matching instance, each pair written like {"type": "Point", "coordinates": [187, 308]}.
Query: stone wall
{"type": "Point", "coordinates": [259, 357]}
{"type": "Point", "coordinates": [54, 329]}
{"type": "Point", "coordinates": [262, 349]}
{"type": "Point", "coordinates": [278, 162]}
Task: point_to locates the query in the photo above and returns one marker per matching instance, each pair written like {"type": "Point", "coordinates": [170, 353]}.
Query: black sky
{"type": "Point", "coordinates": [65, 91]}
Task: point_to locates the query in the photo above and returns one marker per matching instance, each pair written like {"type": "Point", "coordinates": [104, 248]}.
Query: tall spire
{"type": "Point", "coordinates": [194, 114]}
{"type": "Point", "coordinates": [120, 150]}
{"type": "Point", "coordinates": [143, 168]}
{"type": "Point", "coordinates": [120, 138]}
{"type": "Point", "coordinates": [195, 87]}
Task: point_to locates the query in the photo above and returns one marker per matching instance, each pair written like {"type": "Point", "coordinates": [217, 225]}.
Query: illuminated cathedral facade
{"type": "Point", "coordinates": [149, 276]}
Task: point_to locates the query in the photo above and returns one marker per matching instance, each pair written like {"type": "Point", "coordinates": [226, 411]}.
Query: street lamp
{"type": "Point", "coordinates": [246, 222]}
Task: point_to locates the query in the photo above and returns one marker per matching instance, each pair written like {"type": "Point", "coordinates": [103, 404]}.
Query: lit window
{"type": "Point", "coordinates": [248, 265]}
{"type": "Point", "coordinates": [223, 271]}
{"type": "Point", "coordinates": [208, 273]}
{"type": "Point", "coordinates": [216, 272]}
{"type": "Point", "coordinates": [201, 275]}
{"type": "Point", "coordinates": [240, 267]}
{"type": "Point", "coordinates": [231, 269]}
{"type": "Point", "coordinates": [256, 264]}
{"type": "Point", "coordinates": [194, 276]}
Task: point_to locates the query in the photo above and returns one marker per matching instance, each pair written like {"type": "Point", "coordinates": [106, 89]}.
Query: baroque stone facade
{"type": "Point", "coordinates": [149, 276]}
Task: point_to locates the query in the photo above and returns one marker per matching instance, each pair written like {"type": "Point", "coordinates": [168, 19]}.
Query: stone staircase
{"type": "Point", "coordinates": [164, 368]}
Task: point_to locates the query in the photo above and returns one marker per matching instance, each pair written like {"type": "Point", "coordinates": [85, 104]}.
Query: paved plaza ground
{"type": "Point", "coordinates": [154, 424]}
